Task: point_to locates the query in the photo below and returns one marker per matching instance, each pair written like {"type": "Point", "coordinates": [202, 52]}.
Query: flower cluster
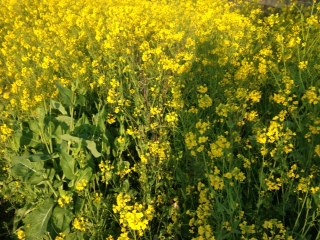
{"type": "Point", "coordinates": [135, 217]}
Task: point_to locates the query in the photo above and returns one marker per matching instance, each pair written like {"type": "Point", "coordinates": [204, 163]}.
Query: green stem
{"type": "Point", "coordinates": [300, 212]}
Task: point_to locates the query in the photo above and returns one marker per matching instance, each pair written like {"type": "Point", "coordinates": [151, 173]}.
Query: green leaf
{"type": "Point", "coordinates": [81, 100]}
{"type": "Point", "coordinates": [91, 145]}
{"type": "Point", "coordinates": [75, 236]}
{"type": "Point", "coordinates": [40, 157]}
{"type": "Point", "coordinates": [67, 164]}
{"type": "Point", "coordinates": [58, 106]}
{"type": "Point", "coordinates": [100, 120]}
{"type": "Point", "coordinates": [65, 95]}
{"type": "Point", "coordinates": [65, 119]}
{"type": "Point", "coordinates": [32, 172]}
{"type": "Point", "coordinates": [20, 214]}
{"type": "Point", "coordinates": [36, 222]}
{"type": "Point", "coordinates": [84, 174]}
{"type": "Point", "coordinates": [125, 186]}
{"type": "Point", "coordinates": [61, 219]}
{"type": "Point", "coordinates": [68, 137]}
{"type": "Point", "coordinates": [34, 126]}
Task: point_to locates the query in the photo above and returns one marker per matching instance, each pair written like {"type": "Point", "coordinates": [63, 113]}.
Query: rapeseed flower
{"type": "Point", "coordinates": [65, 200]}
{"type": "Point", "coordinates": [81, 185]}
{"type": "Point", "coordinates": [21, 234]}
{"type": "Point", "coordinates": [80, 224]}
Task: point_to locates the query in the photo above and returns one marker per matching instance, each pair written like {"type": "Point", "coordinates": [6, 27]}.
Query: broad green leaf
{"type": "Point", "coordinates": [91, 145]}
{"type": "Point", "coordinates": [40, 157]}
{"type": "Point", "coordinates": [83, 120]}
{"type": "Point", "coordinates": [36, 222]}
{"type": "Point", "coordinates": [106, 148]}
{"type": "Point", "coordinates": [65, 95]}
{"type": "Point", "coordinates": [61, 219]}
{"type": "Point", "coordinates": [26, 136]}
{"type": "Point", "coordinates": [15, 143]}
{"type": "Point", "coordinates": [81, 100]}
{"type": "Point", "coordinates": [84, 174]}
{"type": "Point", "coordinates": [75, 236]}
{"type": "Point", "coordinates": [34, 126]}
{"type": "Point", "coordinates": [31, 172]}
{"type": "Point", "coordinates": [100, 119]}
{"type": "Point", "coordinates": [58, 106]}
{"type": "Point", "coordinates": [67, 163]}
{"type": "Point", "coordinates": [50, 173]}
{"type": "Point", "coordinates": [65, 119]}
{"type": "Point", "coordinates": [20, 214]}
{"type": "Point", "coordinates": [125, 186]}
{"type": "Point", "coordinates": [68, 137]}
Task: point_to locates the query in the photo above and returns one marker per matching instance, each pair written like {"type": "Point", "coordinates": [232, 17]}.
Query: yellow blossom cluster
{"type": "Point", "coordinates": [277, 134]}
{"type": "Point", "coordinates": [200, 218]}
{"type": "Point", "coordinates": [61, 236]}
{"type": "Point", "coordinates": [247, 230]}
{"type": "Point", "coordinates": [236, 174]}
{"type": "Point", "coordinates": [196, 142]}
{"type": "Point", "coordinates": [21, 235]}
{"type": "Point", "coordinates": [311, 96]}
{"type": "Point", "coordinates": [5, 132]}
{"type": "Point", "coordinates": [274, 229]}
{"type": "Point", "coordinates": [216, 180]}
{"type": "Point", "coordinates": [64, 200]}
{"type": "Point", "coordinates": [133, 217]}
{"type": "Point", "coordinates": [219, 147]}
{"type": "Point", "coordinates": [106, 170]}
{"type": "Point", "coordinates": [81, 185]}
{"type": "Point", "coordinates": [80, 224]}
{"type": "Point", "coordinates": [156, 152]}
{"type": "Point", "coordinates": [273, 184]}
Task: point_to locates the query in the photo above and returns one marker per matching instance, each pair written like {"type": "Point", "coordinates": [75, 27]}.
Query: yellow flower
{"type": "Point", "coordinates": [218, 147]}
{"type": "Point", "coordinates": [203, 139]}
{"type": "Point", "coordinates": [251, 116]}
{"type": "Point", "coordinates": [81, 185]}
{"type": "Point", "coordinates": [121, 140]}
{"type": "Point", "coordinates": [80, 224]}
{"type": "Point", "coordinates": [65, 200]}
{"type": "Point", "coordinates": [203, 127]}
{"type": "Point", "coordinates": [204, 101]}
{"type": "Point", "coordinates": [111, 119]}
{"type": "Point", "coordinates": [315, 190]}
{"type": "Point", "coordinates": [216, 182]}
{"type": "Point", "coordinates": [317, 150]}
{"type": "Point", "coordinates": [311, 96]}
{"type": "Point", "coordinates": [273, 184]}
{"type": "Point", "coordinates": [5, 132]}
{"type": "Point", "coordinates": [303, 65]}
{"type": "Point", "coordinates": [238, 175]}
{"type": "Point", "coordinates": [21, 234]}
{"type": "Point", "coordinates": [228, 175]}
{"type": "Point", "coordinates": [98, 198]}
{"type": "Point", "coordinates": [191, 140]}
{"type": "Point", "coordinates": [247, 229]}
{"type": "Point", "coordinates": [303, 185]}
{"type": "Point", "coordinates": [61, 236]}
{"type": "Point", "coordinates": [155, 111]}
{"type": "Point", "coordinates": [172, 118]}
{"type": "Point", "coordinates": [255, 96]}
{"type": "Point", "coordinates": [202, 89]}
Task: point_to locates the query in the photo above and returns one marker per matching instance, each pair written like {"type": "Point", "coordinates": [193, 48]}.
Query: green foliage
{"type": "Point", "coordinates": [36, 221]}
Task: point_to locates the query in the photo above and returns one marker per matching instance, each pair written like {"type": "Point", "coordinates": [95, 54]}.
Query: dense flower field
{"type": "Point", "coordinates": [159, 119]}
